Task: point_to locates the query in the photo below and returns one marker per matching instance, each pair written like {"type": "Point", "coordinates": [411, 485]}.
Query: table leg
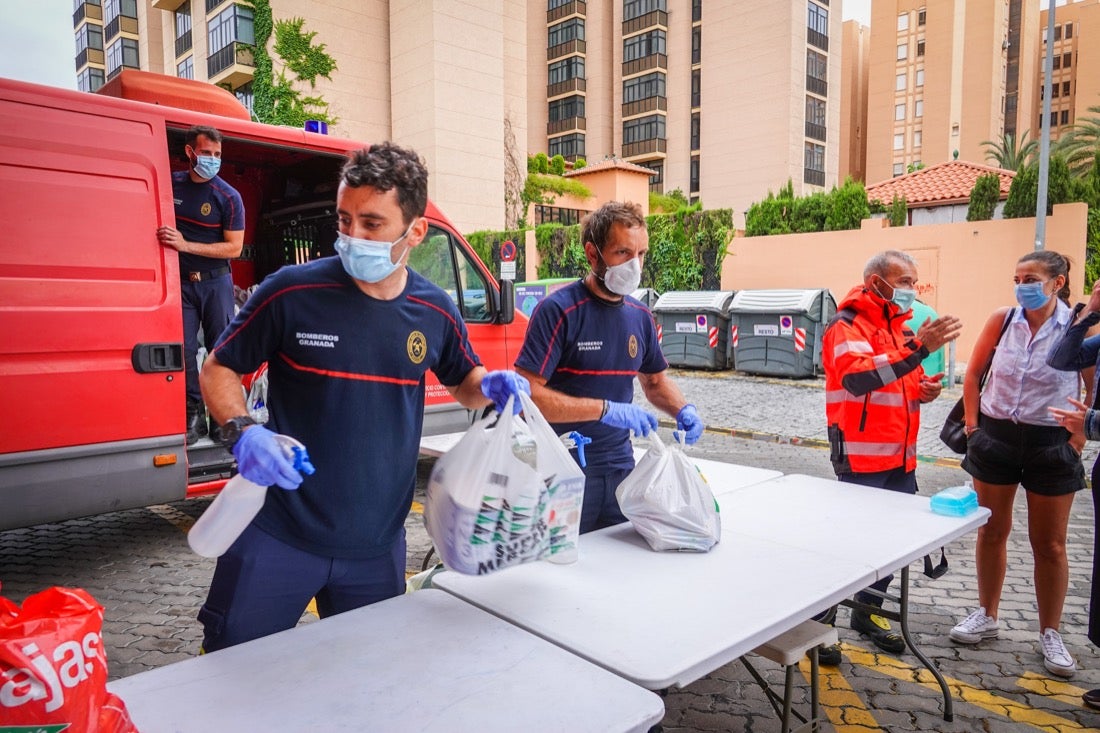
{"type": "Point", "coordinates": [948, 711]}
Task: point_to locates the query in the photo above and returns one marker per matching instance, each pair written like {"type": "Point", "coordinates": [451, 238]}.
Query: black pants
{"type": "Point", "coordinates": [1094, 600]}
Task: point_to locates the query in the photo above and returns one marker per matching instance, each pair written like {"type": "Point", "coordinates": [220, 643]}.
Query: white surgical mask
{"type": "Point", "coordinates": [366, 259]}
{"type": "Point", "coordinates": [623, 279]}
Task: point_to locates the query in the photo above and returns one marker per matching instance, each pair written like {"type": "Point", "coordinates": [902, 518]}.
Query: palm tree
{"type": "Point", "coordinates": [1080, 143]}
{"type": "Point", "coordinates": [1010, 153]}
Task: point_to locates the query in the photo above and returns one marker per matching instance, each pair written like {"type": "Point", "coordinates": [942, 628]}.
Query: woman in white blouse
{"type": "Point", "coordinates": [1012, 440]}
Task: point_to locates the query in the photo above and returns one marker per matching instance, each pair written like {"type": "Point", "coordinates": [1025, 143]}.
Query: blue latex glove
{"type": "Point", "coordinates": [261, 459]}
{"type": "Point", "coordinates": [689, 422]}
{"type": "Point", "coordinates": [500, 385]}
{"type": "Point", "coordinates": [626, 415]}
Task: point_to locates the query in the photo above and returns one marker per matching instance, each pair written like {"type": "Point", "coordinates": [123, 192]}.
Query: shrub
{"type": "Point", "coordinates": [557, 165]}
{"type": "Point", "coordinates": [849, 208]}
{"type": "Point", "coordinates": [984, 197]}
{"type": "Point", "coordinates": [899, 211]}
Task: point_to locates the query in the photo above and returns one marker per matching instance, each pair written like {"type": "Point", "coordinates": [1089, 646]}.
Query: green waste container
{"type": "Point", "coordinates": [779, 332]}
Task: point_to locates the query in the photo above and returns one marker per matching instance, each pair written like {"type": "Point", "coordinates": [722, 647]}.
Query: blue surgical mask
{"type": "Point", "coordinates": [1031, 296]}
{"type": "Point", "coordinates": [366, 259]}
{"type": "Point", "coordinates": [903, 298]}
{"type": "Point", "coordinates": [207, 166]}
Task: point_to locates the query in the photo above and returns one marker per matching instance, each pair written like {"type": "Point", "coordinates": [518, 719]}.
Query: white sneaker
{"type": "Point", "coordinates": [975, 627]}
{"type": "Point", "coordinates": [1055, 657]}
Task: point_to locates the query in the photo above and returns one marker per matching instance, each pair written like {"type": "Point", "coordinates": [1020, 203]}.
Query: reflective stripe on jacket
{"type": "Point", "coordinates": [872, 386]}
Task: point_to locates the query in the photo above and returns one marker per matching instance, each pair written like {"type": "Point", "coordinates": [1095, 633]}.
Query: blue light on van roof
{"type": "Point", "coordinates": [318, 126]}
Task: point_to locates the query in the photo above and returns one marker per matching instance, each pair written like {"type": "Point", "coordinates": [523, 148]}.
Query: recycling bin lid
{"type": "Point", "coordinates": [694, 300]}
{"type": "Point", "coordinates": [776, 301]}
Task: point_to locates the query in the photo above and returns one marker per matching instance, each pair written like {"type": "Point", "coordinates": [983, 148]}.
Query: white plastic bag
{"type": "Point", "coordinates": [669, 502]}
{"type": "Point", "coordinates": [487, 507]}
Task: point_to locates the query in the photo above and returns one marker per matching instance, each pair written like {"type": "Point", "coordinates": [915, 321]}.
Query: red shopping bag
{"type": "Point", "coordinates": [53, 670]}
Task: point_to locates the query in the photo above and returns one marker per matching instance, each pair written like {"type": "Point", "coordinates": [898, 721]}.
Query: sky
{"type": "Point", "coordinates": [37, 38]}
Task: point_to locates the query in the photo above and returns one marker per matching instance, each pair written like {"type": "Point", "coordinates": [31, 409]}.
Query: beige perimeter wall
{"type": "Point", "coordinates": [965, 269]}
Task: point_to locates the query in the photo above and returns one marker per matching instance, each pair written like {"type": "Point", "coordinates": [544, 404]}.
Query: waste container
{"type": "Point", "coordinates": [694, 327]}
{"type": "Point", "coordinates": [528, 294]}
{"type": "Point", "coordinates": [779, 332]}
{"type": "Point", "coordinates": [647, 295]}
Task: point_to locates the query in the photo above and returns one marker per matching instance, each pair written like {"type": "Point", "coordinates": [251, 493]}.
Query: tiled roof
{"type": "Point", "coordinates": [608, 164]}
{"type": "Point", "coordinates": [938, 185]}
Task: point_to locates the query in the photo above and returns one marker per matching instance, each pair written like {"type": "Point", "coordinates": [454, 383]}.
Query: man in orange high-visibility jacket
{"type": "Point", "coordinates": [874, 386]}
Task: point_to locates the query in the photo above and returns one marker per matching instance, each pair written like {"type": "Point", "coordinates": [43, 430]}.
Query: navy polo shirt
{"type": "Point", "coordinates": [346, 377]}
{"type": "Point", "coordinates": [204, 212]}
{"type": "Point", "coordinates": [586, 347]}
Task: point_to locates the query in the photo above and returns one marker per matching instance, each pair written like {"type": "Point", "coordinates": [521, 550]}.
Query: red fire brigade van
{"type": "Point", "coordinates": [91, 335]}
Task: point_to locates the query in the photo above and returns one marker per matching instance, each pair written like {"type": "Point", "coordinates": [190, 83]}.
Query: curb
{"type": "Point", "coordinates": [940, 461]}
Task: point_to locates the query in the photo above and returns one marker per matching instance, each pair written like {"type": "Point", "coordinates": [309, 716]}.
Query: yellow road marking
{"type": "Point", "coordinates": [1011, 709]}
{"type": "Point", "coordinates": [417, 508]}
{"type": "Point", "coordinates": [843, 705]}
{"type": "Point", "coordinates": [312, 607]}
{"type": "Point", "coordinates": [174, 516]}
{"type": "Point", "coordinates": [1053, 689]}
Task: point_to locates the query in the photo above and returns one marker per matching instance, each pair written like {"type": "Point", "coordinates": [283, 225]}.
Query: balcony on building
{"type": "Point", "coordinates": [653, 61]}
{"type": "Point", "coordinates": [120, 24]}
{"type": "Point", "coordinates": [89, 56]}
{"type": "Point", "coordinates": [231, 66]}
{"type": "Point", "coordinates": [183, 44]}
{"type": "Point", "coordinates": [573, 7]}
{"type": "Point", "coordinates": [644, 147]}
{"type": "Point", "coordinates": [813, 177]}
{"type": "Point", "coordinates": [568, 86]}
{"type": "Point", "coordinates": [817, 39]}
{"type": "Point", "coordinates": [815, 131]}
{"type": "Point", "coordinates": [212, 5]}
{"type": "Point", "coordinates": [569, 124]}
{"type": "Point", "coordinates": [170, 5]}
{"type": "Point", "coordinates": [817, 86]}
{"type": "Point", "coordinates": [565, 49]}
{"type": "Point", "coordinates": [91, 11]}
{"type": "Point", "coordinates": [652, 19]}
{"type": "Point", "coordinates": [641, 106]}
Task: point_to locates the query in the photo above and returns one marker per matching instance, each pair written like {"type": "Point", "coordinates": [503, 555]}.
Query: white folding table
{"type": "Point", "coordinates": [791, 547]}
{"type": "Point", "coordinates": [424, 661]}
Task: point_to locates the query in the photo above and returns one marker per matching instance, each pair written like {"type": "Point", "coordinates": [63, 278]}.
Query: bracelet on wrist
{"type": "Point", "coordinates": [603, 412]}
{"type": "Point", "coordinates": [967, 430]}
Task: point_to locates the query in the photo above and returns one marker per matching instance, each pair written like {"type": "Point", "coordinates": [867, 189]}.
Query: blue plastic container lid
{"type": "Point", "coordinates": [956, 501]}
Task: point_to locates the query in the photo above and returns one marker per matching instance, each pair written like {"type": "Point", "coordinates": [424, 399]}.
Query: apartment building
{"type": "Point", "coordinates": [1076, 65]}
{"type": "Point", "coordinates": [719, 98]}
{"type": "Point", "coordinates": [945, 76]}
{"type": "Point", "coordinates": [854, 68]}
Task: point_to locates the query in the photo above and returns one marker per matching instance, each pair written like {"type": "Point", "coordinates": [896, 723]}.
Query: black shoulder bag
{"type": "Point", "coordinates": [953, 433]}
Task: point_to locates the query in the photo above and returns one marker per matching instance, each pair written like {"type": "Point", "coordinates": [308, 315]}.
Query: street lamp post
{"type": "Point", "coordinates": [1044, 140]}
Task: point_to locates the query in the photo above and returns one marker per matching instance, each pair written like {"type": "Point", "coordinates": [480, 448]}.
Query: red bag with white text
{"type": "Point", "coordinates": [53, 669]}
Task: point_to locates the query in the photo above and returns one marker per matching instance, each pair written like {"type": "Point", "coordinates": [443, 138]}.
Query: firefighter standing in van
{"type": "Point", "coordinates": [874, 386]}
{"type": "Point", "coordinates": [210, 217]}
{"type": "Point", "coordinates": [348, 341]}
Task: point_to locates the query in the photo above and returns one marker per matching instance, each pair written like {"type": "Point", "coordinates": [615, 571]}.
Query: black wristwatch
{"type": "Point", "coordinates": [232, 429]}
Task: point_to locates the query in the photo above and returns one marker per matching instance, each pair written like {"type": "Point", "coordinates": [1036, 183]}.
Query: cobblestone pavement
{"type": "Point", "coordinates": [137, 564]}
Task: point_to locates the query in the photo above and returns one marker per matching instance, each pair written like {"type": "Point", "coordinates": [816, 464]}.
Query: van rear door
{"type": "Point", "coordinates": [90, 359]}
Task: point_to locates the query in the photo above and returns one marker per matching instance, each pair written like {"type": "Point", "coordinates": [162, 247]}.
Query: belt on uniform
{"type": "Point", "coordinates": [200, 276]}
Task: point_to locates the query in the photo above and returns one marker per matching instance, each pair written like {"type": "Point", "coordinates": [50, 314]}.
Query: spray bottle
{"type": "Point", "coordinates": [238, 504]}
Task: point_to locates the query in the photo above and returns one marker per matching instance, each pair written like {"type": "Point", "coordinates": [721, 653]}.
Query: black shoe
{"type": "Point", "coordinates": [829, 656]}
{"type": "Point", "coordinates": [196, 422]}
{"type": "Point", "coordinates": [878, 628]}
{"type": "Point", "coordinates": [1092, 699]}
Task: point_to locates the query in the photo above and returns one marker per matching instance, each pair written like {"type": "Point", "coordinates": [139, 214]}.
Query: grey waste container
{"type": "Point", "coordinates": [694, 327]}
{"type": "Point", "coordinates": [779, 332]}
{"type": "Point", "coordinates": [647, 296]}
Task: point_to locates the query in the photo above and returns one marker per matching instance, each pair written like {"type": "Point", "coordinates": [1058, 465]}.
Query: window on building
{"type": "Point", "coordinates": [644, 87]}
{"type": "Point", "coordinates": [695, 130]}
{"type": "Point", "coordinates": [899, 141]}
{"type": "Point", "coordinates": [566, 69]}
{"type": "Point", "coordinates": [1065, 88]}
{"type": "Point", "coordinates": [899, 112]}
{"type": "Point", "coordinates": [903, 21]}
{"type": "Point", "coordinates": [657, 180]}
{"type": "Point", "coordinates": [1057, 32]}
{"type": "Point", "coordinates": [694, 182]}
{"type": "Point", "coordinates": [899, 82]}
{"type": "Point", "coordinates": [563, 109]}
{"type": "Point", "coordinates": [696, 44]}
{"type": "Point", "coordinates": [186, 69]}
{"type": "Point", "coordinates": [651, 127]}
{"type": "Point", "coordinates": [90, 79]}
{"type": "Point", "coordinates": [567, 146]}
{"type": "Point", "coordinates": [817, 73]}
{"type": "Point", "coordinates": [1054, 91]}
{"type": "Point", "coordinates": [817, 26]}
{"type": "Point", "coordinates": [569, 30]}
{"type": "Point", "coordinates": [1067, 60]}
{"type": "Point", "coordinates": [557, 215]}
{"type": "Point", "coordinates": [553, 4]}
{"type": "Point", "coordinates": [920, 48]}
{"type": "Point", "coordinates": [114, 8]}
{"type": "Point", "coordinates": [1056, 62]}
{"type": "Point", "coordinates": [234, 24]}
{"type": "Point", "coordinates": [919, 80]}
{"type": "Point", "coordinates": [642, 45]}
{"type": "Point", "coordinates": [89, 36]}
{"type": "Point", "coordinates": [918, 108]}
{"type": "Point", "coordinates": [696, 10]}
{"type": "Point", "coordinates": [1054, 118]}
{"type": "Point", "coordinates": [1069, 30]}
{"type": "Point", "coordinates": [903, 51]}
{"type": "Point", "coordinates": [899, 169]}
{"type": "Point", "coordinates": [814, 166]}
{"type": "Point", "coordinates": [183, 20]}
{"type": "Point", "coordinates": [815, 118]}
{"type": "Point", "coordinates": [637, 8]}
{"type": "Point", "coordinates": [122, 53]}
{"type": "Point", "coordinates": [920, 17]}
{"type": "Point", "coordinates": [917, 138]}
{"type": "Point", "coordinates": [244, 95]}
{"type": "Point", "coordinates": [696, 88]}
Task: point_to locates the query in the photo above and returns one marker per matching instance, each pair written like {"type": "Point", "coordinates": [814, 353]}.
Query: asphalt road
{"type": "Point", "coordinates": [137, 565]}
